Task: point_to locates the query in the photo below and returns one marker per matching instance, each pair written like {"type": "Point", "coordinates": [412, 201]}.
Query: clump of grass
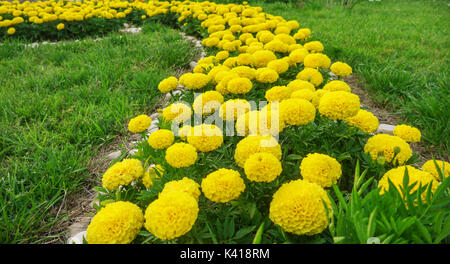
{"type": "Point", "coordinates": [58, 104]}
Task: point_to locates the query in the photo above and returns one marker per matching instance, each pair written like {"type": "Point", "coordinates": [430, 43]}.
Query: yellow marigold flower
{"type": "Point", "coordinates": [244, 59]}
{"type": "Point", "coordinates": [168, 84]}
{"type": "Point", "coordinates": [266, 75]}
{"type": "Point", "coordinates": [230, 62]}
{"type": "Point", "coordinates": [295, 46]}
{"type": "Point", "coordinates": [231, 109]}
{"type": "Point", "coordinates": [298, 207]}
{"type": "Point", "coordinates": [277, 45]}
{"type": "Point", "coordinates": [337, 86]}
{"type": "Point", "coordinates": [207, 102]}
{"type": "Point", "coordinates": [122, 173]}
{"type": "Point", "coordinates": [184, 78]}
{"type": "Point", "coordinates": [396, 176]}
{"type": "Point", "coordinates": [11, 31]}
{"type": "Point", "coordinates": [339, 105]}
{"type": "Point", "coordinates": [297, 112]}
{"type": "Point", "coordinates": [282, 29]}
{"type": "Point", "coordinates": [306, 32]}
{"type": "Point", "coordinates": [262, 167]}
{"type": "Point", "coordinates": [116, 223]}
{"type": "Point", "coordinates": [317, 96]}
{"type": "Point", "coordinates": [430, 167]}
{"type": "Point", "coordinates": [314, 46]}
{"type": "Point", "coordinates": [60, 26]}
{"type": "Point", "coordinates": [320, 169]}
{"type": "Point", "coordinates": [178, 112]}
{"type": "Point", "coordinates": [262, 122]}
{"type": "Point", "coordinates": [386, 146]}
{"type": "Point", "coordinates": [161, 139]}
{"type": "Point", "coordinates": [365, 120]}
{"type": "Point", "coordinates": [225, 76]}
{"type": "Point", "coordinates": [317, 60]}
{"type": "Point", "coordinates": [277, 93]}
{"type": "Point", "coordinates": [341, 69]}
{"type": "Point", "coordinates": [262, 57]}
{"type": "Point", "coordinates": [265, 36]}
{"type": "Point", "coordinates": [215, 70]}
{"type": "Point", "coordinates": [299, 36]}
{"type": "Point", "coordinates": [296, 85]}
{"type": "Point", "coordinates": [239, 85]}
{"type": "Point", "coordinates": [139, 124]}
{"type": "Point", "coordinates": [244, 71]}
{"type": "Point", "coordinates": [223, 185]}
{"type": "Point", "coordinates": [303, 94]}
{"type": "Point", "coordinates": [243, 37]}
{"type": "Point", "coordinates": [171, 215]}
{"type": "Point", "coordinates": [152, 173]}
{"type": "Point", "coordinates": [298, 55]}
{"type": "Point", "coordinates": [205, 137]}
{"type": "Point", "coordinates": [255, 144]}
{"type": "Point", "coordinates": [293, 24]}
{"type": "Point", "coordinates": [285, 38]}
{"type": "Point", "coordinates": [221, 55]}
{"type": "Point", "coordinates": [197, 81]}
{"type": "Point", "coordinates": [311, 75]}
{"type": "Point", "coordinates": [408, 133]}
{"type": "Point", "coordinates": [280, 66]}
{"type": "Point", "coordinates": [181, 155]}
{"type": "Point", "coordinates": [186, 185]}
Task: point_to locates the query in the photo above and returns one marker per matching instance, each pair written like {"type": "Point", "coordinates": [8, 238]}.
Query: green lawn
{"type": "Point", "coordinates": [399, 49]}
{"type": "Point", "coordinates": [59, 104]}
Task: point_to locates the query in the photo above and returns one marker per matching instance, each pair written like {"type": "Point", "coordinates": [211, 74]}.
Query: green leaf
{"type": "Point", "coordinates": [258, 236]}
{"type": "Point", "coordinates": [371, 226]}
{"type": "Point", "coordinates": [425, 234]}
{"type": "Point", "coordinates": [243, 232]}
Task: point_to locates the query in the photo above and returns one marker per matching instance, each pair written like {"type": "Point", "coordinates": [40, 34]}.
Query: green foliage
{"type": "Point", "coordinates": [396, 217]}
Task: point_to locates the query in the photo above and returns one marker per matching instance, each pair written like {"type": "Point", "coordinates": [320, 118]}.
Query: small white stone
{"type": "Point", "coordinates": [193, 64]}
{"type": "Point", "coordinates": [152, 128]}
{"type": "Point", "coordinates": [154, 115]}
{"type": "Point", "coordinates": [133, 151]}
{"type": "Point", "coordinates": [114, 155]}
{"type": "Point", "coordinates": [168, 96]}
{"type": "Point", "coordinates": [385, 128]}
{"type": "Point", "coordinates": [78, 238]}
{"type": "Point", "coordinates": [176, 92]}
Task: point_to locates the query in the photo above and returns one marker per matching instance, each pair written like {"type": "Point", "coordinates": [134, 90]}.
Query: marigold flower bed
{"type": "Point", "coordinates": [265, 135]}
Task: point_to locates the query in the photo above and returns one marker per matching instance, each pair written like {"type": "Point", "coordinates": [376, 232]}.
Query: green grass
{"type": "Point", "coordinates": [59, 104]}
{"type": "Point", "coordinates": [399, 49]}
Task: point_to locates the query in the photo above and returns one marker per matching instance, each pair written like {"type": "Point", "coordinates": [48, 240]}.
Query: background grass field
{"type": "Point", "coordinates": [59, 104]}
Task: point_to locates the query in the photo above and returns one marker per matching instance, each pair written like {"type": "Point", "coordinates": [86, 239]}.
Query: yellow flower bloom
{"type": "Point", "coordinates": [386, 146]}
{"type": "Point", "coordinates": [122, 173]}
{"type": "Point", "coordinates": [223, 185]}
{"type": "Point", "coordinates": [181, 155]}
{"type": "Point", "coordinates": [320, 169]}
{"type": "Point", "coordinates": [116, 223]}
{"type": "Point", "coordinates": [430, 167]}
{"type": "Point", "coordinates": [262, 167]}
{"type": "Point", "coordinates": [139, 124]}
{"type": "Point", "coordinates": [408, 133]}
{"type": "Point", "coordinates": [339, 105]}
{"type": "Point", "coordinates": [186, 185]}
{"type": "Point", "coordinates": [298, 207]}
{"type": "Point", "coordinates": [161, 139]}
{"type": "Point", "coordinates": [171, 215]}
